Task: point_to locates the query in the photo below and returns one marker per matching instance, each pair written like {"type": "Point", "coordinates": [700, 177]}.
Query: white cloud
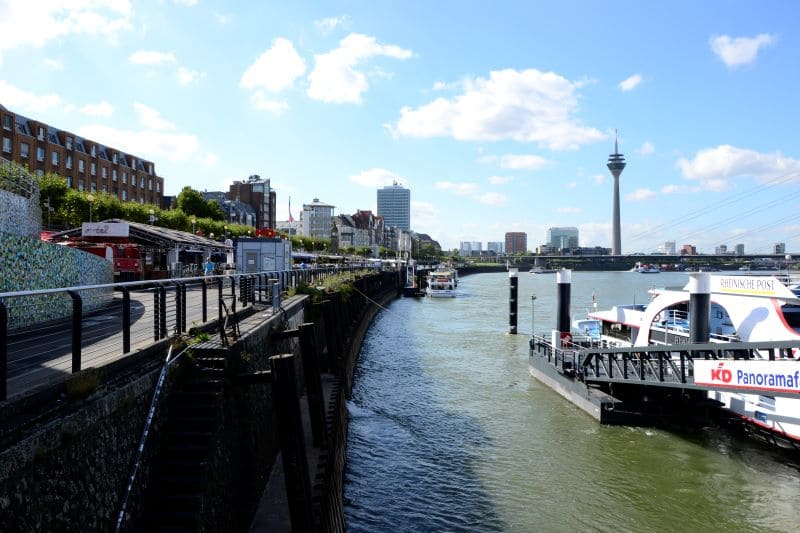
{"type": "Point", "coordinates": [188, 3]}
{"type": "Point", "coordinates": [54, 64]}
{"type": "Point", "coordinates": [152, 57]}
{"type": "Point", "coordinates": [523, 162]}
{"type": "Point", "coordinates": [493, 198]}
{"type": "Point", "coordinates": [151, 144]}
{"type": "Point", "coordinates": [629, 84]}
{"type": "Point", "coordinates": [335, 77]}
{"type": "Point", "coordinates": [187, 76]}
{"type": "Point", "coordinates": [569, 210]}
{"type": "Point", "coordinates": [715, 167]}
{"type": "Point", "coordinates": [150, 118]}
{"type": "Point", "coordinates": [599, 179]}
{"type": "Point", "coordinates": [500, 180]}
{"type": "Point", "coordinates": [276, 69]}
{"type": "Point", "coordinates": [376, 177]}
{"type": "Point", "coordinates": [425, 216]}
{"type": "Point", "coordinates": [208, 160]}
{"type": "Point", "coordinates": [222, 19]}
{"type": "Point", "coordinates": [739, 51]}
{"type": "Point", "coordinates": [262, 102]}
{"type": "Point", "coordinates": [647, 148]}
{"type": "Point", "coordinates": [572, 185]}
{"type": "Point", "coordinates": [640, 195]}
{"type": "Point", "coordinates": [460, 189]}
{"type": "Point", "coordinates": [14, 97]}
{"type": "Point", "coordinates": [100, 109]}
{"type": "Point", "coordinates": [327, 25]}
{"type": "Point", "coordinates": [673, 189]}
{"type": "Point", "coordinates": [37, 23]}
{"type": "Point", "coordinates": [525, 106]}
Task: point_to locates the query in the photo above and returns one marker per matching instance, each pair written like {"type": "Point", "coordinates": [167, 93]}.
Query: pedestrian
{"type": "Point", "coordinates": [209, 266]}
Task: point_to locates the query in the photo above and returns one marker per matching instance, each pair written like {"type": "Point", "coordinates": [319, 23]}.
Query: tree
{"type": "Point", "coordinates": [192, 202]}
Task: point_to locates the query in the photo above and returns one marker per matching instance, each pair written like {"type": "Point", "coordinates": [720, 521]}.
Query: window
{"type": "Point", "coordinates": [24, 149]}
{"type": "Point", "coordinates": [114, 174]}
{"type": "Point", "coordinates": [6, 144]}
{"type": "Point", "coordinates": [40, 134]}
{"type": "Point", "coordinates": [141, 183]}
{"type": "Point", "coordinates": [40, 154]}
{"type": "Point", "coordinates": [39, 172]}
{"type": "Point", "coordinates": [68, 162]}
{"type": "Point", "coordinates": [104, 172]}
{"type": "Point", "coordinates": [54, 158]}
{"type": "Point", "coordinates": [150, 184]}
{"type": "Point", "coordinates": [105, 188]}
{"type": "Point", "coordinates": [124, 177]}
{"type": "Point", "coordinates": [93, 169]}
{"type": "Point", "coordinates": [158, 187]}
{"type": "Point", "coordinates": [93, 186]}
{"type": "Point", "coordinates": [114, 158]}
{"type": "Point", "coordinates": [7, 122]}
{"type": "Point", "coordinates": [81, 166]}
{"type": "Point", "coordinates": [69, 143]}
{"type": "Point", "coordinates": [150, 168]}
{"type": "Point", "coordinates": [69, 181]}
{"type": "Point", "coordinates": [94, 150]}
{"type": "Point", "coordinates": [124, 195]}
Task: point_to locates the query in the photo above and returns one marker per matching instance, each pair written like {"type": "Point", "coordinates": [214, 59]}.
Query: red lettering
{"type": "Point", "coordinates": [721, 374]}
{"type": "Point", "coordinates": [715, 374]}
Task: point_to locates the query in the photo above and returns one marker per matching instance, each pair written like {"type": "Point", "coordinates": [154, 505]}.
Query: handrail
{"type": "Point", "coordinates": [146, 431]}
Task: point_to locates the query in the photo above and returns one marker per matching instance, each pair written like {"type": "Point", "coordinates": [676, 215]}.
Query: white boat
{"type": "Point", "coordinates": [540, 270]}
{"type": "Point", "coordinates": [442, 283]}
{"type": "Point", "coordinates": [742, 309]}
{"type": "Point", "coordinates": [646, 269]}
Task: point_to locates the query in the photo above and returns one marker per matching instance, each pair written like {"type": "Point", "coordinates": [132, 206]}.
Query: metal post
{"type": "Point", "coordinates": [162, 319]}
{"type": "Point", "coordinates": [156, 313]}
{"type": "Point", "coordinates": [183, 305]}
{"type": "Point", "coordinates": [233, 295]}
{"type": "Point", "coordinates": [178, 308]}
{"type": "Point", "coordinates": [315, 396]}
{"type": "Point", "coordinates": [204, 290]}
{"type": "Point", "coordinates": [533, 309]}
{"type": "Point", "coordinates": [512, 301]}
{"type": "Point", "coordinates": [564, 280]}
{"type": "Point", "coordinates": [699, 307]}
{"type": "Point", "coordinates": [126, 319]}
{"type": "Point", "coordinates": [3, 352]}
{"type": "Point", "coordinates": [219, 300]}
{"type": "Point", "coordinates": [77, 322]}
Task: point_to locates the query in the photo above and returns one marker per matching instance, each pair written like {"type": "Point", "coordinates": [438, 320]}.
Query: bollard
{"type": "Point", "coordinates": [512, 300]}
{"type": "Point", "coordinates": [699, 307]}
{"type": "Point", "coordinates": [564, 281]}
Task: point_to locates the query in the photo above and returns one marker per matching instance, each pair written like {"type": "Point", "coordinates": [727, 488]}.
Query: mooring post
{"type": "Point", "coordinates": [699, 307]}
{"type": "Point", "coordinates": [314, 393]}
{"type": "Point", "coordinates": [564, 281]}
{"type": "Point", "coordinates": [512, 300]}
{"type": "Point", "coordinates": [292, 442]}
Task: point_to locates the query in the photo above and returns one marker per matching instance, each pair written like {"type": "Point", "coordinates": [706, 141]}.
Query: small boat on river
{"type": "Point", "coordinates": [442, 283]}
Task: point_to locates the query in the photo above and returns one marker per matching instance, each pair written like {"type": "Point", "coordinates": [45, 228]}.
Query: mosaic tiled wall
{"type": "Point", "coordinates": [28, 264]}
{"type": "Point", "coordinates": [19, 215]}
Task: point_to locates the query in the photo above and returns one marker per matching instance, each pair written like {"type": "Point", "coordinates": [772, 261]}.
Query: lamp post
{"type": "Point", "coordinates": [90, 199]}
{"type": "Point", "coordinates": [533, 308]}
{"type": "Point", "coordinates": [194, 221]}
{"type": "Point", "coordinates": [152, 216]}
{"type": "Point", "coordinates": [211, 235]}
{"type": "Point", "coordinates": [225, 229]}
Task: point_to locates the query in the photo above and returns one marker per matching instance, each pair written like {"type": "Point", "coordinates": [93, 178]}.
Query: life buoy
{"type": "Point", "coordinates": [657, 318]}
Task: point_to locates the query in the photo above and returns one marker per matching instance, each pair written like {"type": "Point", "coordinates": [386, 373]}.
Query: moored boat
{"type": "Point", "coordinates": [441, 283]}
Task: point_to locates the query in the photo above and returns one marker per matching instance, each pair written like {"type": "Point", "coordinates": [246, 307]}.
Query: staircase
{"type": "Point", "coordinates": [179, 478]}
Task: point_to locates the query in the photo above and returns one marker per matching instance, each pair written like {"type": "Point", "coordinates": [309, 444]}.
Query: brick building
{"type": "Point", "coordinates": [86, 164]}
{"type": "Point", "coordinates": [260, 196]}
{"type": "Point", "coordinates": [516, 242]}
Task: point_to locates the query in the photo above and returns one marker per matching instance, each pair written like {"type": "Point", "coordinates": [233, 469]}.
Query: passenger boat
{"type": "Point", "coordinates": [646, 269]}
{"type": "Point", "coordinates": [742, 309]}
{"type": "Point", "coordinates": [540, 270]}
{"type": "Point", "coordinates": [442, 283]}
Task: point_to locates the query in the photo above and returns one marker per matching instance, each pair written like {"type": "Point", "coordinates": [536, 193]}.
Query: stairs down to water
{"type": "Point", "coordinates": [179, 479]}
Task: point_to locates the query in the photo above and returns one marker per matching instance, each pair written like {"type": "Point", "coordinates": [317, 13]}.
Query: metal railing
{"type": "Point", "coordinates": [135, 316]}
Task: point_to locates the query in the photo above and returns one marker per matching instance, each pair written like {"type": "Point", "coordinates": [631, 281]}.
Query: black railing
{"type": "Point", "coordinates": [123, 318]}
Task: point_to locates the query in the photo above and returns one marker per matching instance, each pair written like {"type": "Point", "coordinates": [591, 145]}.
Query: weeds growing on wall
{"type": "Point", "coordinates": [342, 283]}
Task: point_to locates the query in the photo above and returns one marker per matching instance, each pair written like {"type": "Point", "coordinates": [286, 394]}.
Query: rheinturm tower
{"type": "Point", "coordinates": [616, 164]}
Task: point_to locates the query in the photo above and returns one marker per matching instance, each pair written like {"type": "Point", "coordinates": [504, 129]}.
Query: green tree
{"type": "Point", "coordinates": [191, 202]}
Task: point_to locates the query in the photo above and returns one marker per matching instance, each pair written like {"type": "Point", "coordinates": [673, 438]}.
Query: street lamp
{"type": "Point", "coordinates": [194, 221]}
{"type": "Point", "coordinates": [225, 229]}
{"type": "Point", "coordinates": [211, 235]}
{"type": "Point", "coordinates": [533, 307]}
{"type": "Point", "coordinates": [152, 216]}
{"type": "Point", "coordinates": [90, 199]}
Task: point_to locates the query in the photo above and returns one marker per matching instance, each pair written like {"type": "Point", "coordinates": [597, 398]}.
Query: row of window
{"type": "Point", "coordinates": [93, 188]}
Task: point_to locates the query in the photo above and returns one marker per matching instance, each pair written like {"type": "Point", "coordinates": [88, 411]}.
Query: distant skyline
{"type": "Point", "coordinates": [499, 117]}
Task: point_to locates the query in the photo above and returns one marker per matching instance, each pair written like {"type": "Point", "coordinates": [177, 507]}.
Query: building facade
{"type": "Point", "coordinates": [516, 242]}
{"type": "Point", "coordinates": [495, 247]}
{"type": "Point", "coordinates": [562, 238]}
{"type": "Point", "coordinates": [86, 164]}
{"type": "Point", "coordinates": [317, 219]}
{"type": "Point", "coordinates": [394, 205]}
{"type": "Point", "coordinates": [261, 197]}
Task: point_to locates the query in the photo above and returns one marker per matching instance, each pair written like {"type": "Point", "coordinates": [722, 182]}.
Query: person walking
{"type": "Point", "coordinates": [209, 266]}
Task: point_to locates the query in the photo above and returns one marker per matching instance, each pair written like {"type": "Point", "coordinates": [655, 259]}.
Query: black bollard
{"type": "Point", "coordinates": [512, 301]}
{"type": "Point", "coordinates": [699, 307]}
{"type": "Point", "coordinates": [564, 280]}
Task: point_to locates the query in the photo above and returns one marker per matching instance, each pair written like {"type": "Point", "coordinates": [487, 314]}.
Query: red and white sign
{"type": "Point", "coordinates": [776, 376]}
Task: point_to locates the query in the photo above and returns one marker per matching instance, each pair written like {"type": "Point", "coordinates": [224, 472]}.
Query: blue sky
{"type": "Point", "coordinates": [499, 116]}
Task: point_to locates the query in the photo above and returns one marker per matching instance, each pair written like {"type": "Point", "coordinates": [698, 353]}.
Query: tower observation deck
{"type": "Point", "coordinates": [616, 164]}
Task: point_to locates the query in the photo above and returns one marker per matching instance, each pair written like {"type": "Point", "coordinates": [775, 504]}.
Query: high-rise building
{"type": "Point", "coordinates": [394, 205]}
{"type": "Point", "coordinates": [562, 238]}
{"type": "Point", "coordinates": [495, 247]}
{"type": "Point", "coordinates": [516, 242]}
{"type": "Point", "coordinates": [722, 249]}
{"type": "Point", "coordinates": [669, 248]}
{"type": "Point", "coordinates": [87, 165]}
{"type": "Point", "coordinates": [616, 164]}
{"type": "Point", "coordinates": [779, 248]}
{"type": "Point", "coordinates": [317, 219]}
{"type": "Point", "coordinates": [739, 249]}
{"type": "Point", "coordinates": [465, 249]}
{"type": "Point", "coordinates": [261, 197]}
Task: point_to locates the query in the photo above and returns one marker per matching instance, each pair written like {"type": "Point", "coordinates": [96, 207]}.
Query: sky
{"type": "Point", "coordinates": [498, 116]}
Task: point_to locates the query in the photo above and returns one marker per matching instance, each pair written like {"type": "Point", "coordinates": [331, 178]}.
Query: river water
{"type": "Point", "coordinates": [449, 432]}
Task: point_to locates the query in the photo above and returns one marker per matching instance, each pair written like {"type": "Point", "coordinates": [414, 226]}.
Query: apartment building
{"type": "Point", "coordinates": [86, 164]}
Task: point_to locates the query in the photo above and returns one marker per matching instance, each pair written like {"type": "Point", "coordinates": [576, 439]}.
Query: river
{"type": "Point", "coordinates": [449, 432]}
